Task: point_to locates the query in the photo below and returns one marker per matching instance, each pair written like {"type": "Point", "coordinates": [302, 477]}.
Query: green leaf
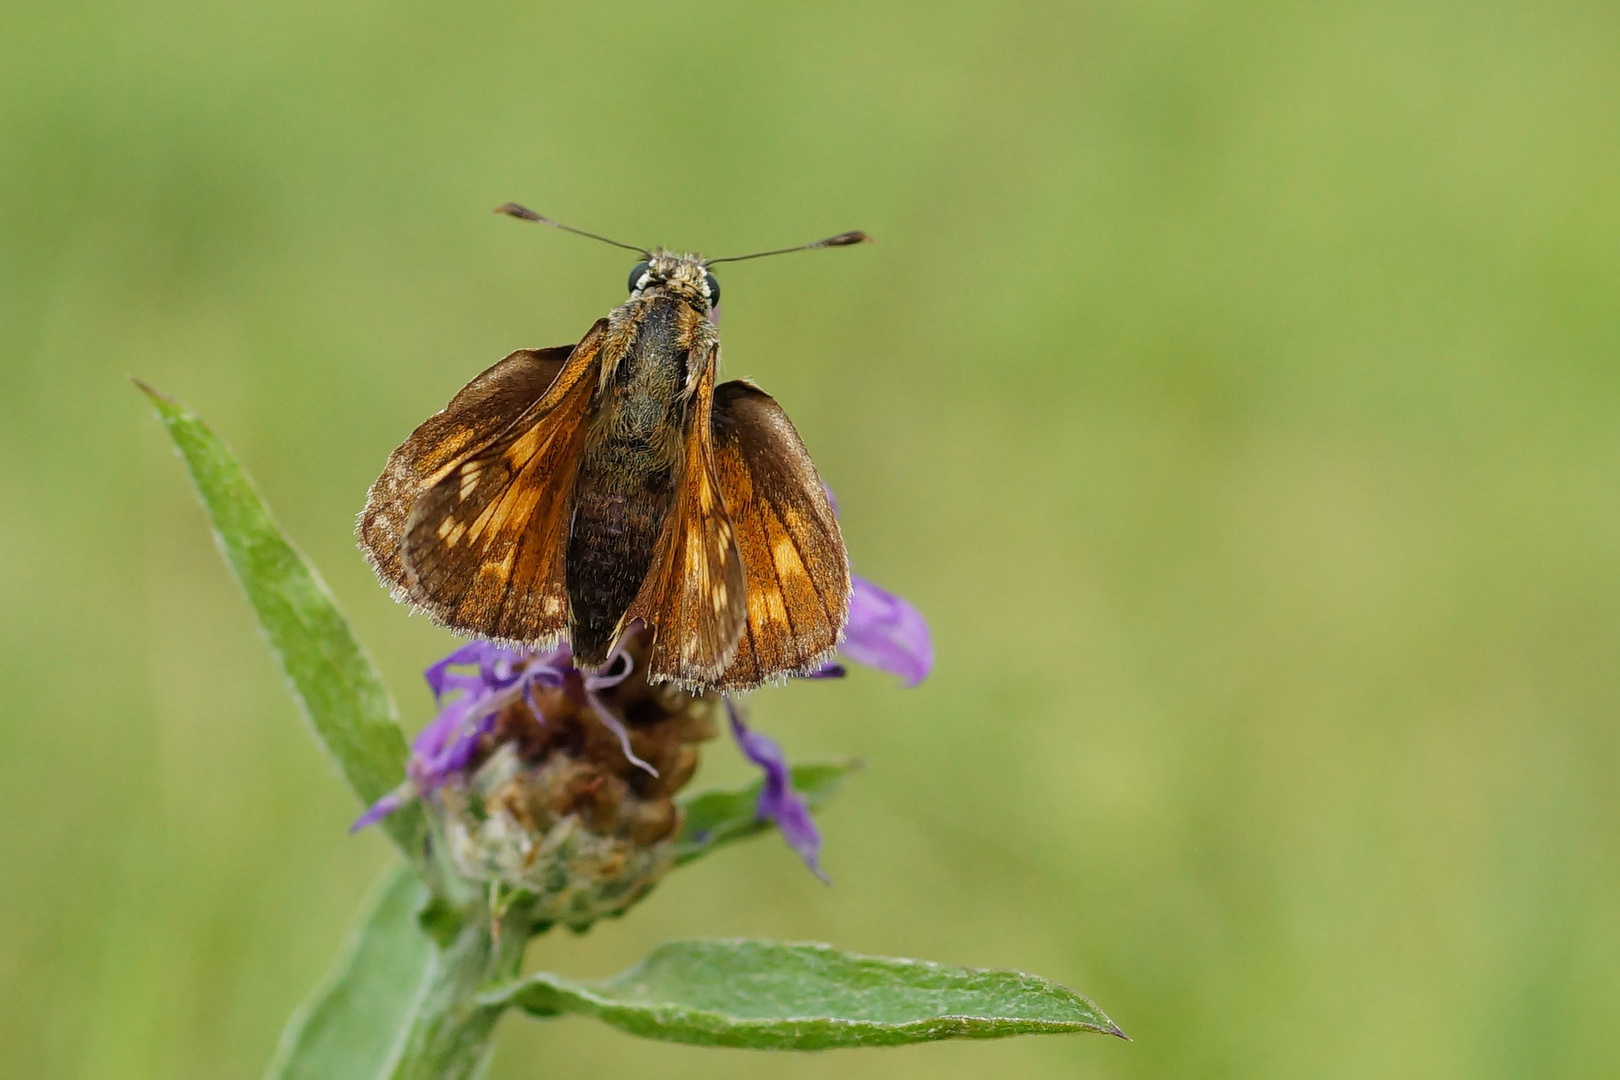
{"type": "Point", "coordinates": [333, 679]}
{"type": "Point", "coordinates": [716, 818]}
{"type": "Point", "coordinates": [353, 1022]}
{"type": "Point", "coordinates": [767, 995]}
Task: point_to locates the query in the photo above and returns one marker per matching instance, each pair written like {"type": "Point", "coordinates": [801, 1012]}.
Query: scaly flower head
{"type": "Point", "coordinates": [554, 781]}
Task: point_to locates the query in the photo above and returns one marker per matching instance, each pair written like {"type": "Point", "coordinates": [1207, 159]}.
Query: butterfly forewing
{"type": "Point", "coordinates": [482, 546]}
{"type": "Point", "coordinates": [793, 555]}
{"type": "Point", "coordinates": [483, 410]}
{"type": "Point", "coordinates": [694, 597]}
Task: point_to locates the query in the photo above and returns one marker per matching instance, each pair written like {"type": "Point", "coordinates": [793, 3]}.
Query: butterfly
{"type": "Point", "coordinates": [590, 491]}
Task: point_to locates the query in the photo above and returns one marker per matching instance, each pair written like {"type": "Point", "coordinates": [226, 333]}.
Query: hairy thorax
{"type": "Point", "coordinates": [630, 466]}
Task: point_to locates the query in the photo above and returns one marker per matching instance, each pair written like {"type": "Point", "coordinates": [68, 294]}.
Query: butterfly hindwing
{"type": "Point", "coordinates": [694, 595]}
{"type": "Point", "coordinates": [793, 556]}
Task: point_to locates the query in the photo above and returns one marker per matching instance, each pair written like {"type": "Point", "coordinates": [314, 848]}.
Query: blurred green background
{"type": "Point", "coordinates": [1233, 385]}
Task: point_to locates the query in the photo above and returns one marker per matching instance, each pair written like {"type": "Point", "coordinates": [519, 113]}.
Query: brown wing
{"type": "Point", "coordinates": [482, 410]}
{"type": "Point", "coordinates": [472, 511]}
{"type": "Point", "coordinates": [693, 597]}
{"type": "Point", "coordinates": [792, 551]}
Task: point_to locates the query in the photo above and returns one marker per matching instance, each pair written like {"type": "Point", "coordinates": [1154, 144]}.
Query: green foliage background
{"type": "Point", "coordinates": [1233, 385]}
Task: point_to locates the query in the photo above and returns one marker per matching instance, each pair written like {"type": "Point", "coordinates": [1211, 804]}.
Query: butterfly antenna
{"type": "Point", "coordinates": [523, 213]}
{"type": "Point", "coordinates": [843, 239]}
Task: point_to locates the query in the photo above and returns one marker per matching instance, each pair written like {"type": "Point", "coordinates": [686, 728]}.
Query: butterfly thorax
{"type": "Point", "coordinates": [657, 344]}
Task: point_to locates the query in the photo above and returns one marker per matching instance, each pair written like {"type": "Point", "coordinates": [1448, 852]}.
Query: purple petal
{"type": "Point", "coordinates": [384, 806]}
{"type": "Point", "coordinates": [883, 631]}
{"type": "Point", "coordinates": [471, 653]}
{"type": "Point", "coordinates": [448, 745]}
{"type": "Point", "coordinates": [498, 666]}
{"type": "Point", "coordinates": [533, 703]}
{"type": "Point", "coordinates": [778, 801]}
{"type": "Point", "coordinates": [887, 633]}
{"type": "Point", "coordinates": [615, 725]}
{"type": "Point", "coordinates": [451, 743]}
{"type": "Point", "coordinates": [620, 664]}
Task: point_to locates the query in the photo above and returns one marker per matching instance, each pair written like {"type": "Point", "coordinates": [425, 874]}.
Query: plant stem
{"type": "Point", "coordinates": [451, 1035]}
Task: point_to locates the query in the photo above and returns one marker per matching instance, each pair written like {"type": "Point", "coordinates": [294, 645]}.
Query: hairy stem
{"type": "Point", "coordinates": [451, 1035]}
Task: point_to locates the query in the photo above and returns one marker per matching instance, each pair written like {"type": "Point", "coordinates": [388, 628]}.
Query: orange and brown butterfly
{"type": "Point", "coordinates": [566, 493]}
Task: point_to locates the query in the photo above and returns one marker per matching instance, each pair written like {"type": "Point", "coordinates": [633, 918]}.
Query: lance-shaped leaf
{"type": "Point", "coordinates": [767, 995]}
{"type": "Point", "coordinates": [332, 678]}
{"type": "Point", "coordinates": [352, 1023]}
{"type": "Point", "coordinates": [713, 819]}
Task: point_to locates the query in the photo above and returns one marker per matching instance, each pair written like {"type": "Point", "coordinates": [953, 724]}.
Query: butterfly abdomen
{"type": "Point", "coordinates": [626, 481]}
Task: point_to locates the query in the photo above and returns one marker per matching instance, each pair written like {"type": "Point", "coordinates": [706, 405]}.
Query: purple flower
{"type": "Point", "coordinates": [887, 633]}
{"type": "Point", "coordinates": [778, 802]}
{"type": "Point", "coordinates": [883, 631]}
{"type": "Point", "coordinates": [447, 747]}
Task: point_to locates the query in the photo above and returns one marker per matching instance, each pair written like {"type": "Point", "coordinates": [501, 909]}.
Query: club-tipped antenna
{"type": "Point", "coordinates": [523, 213]}
{"type": "Point", "coordinates": [843, 239]}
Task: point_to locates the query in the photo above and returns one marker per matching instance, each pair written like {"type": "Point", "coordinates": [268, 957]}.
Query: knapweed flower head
{"type": "Point", "coordinates": [553, 781]}
{"type": "Point", "coordinates": [559, 782]}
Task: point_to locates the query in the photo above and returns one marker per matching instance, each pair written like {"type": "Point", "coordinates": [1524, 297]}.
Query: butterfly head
{"type": "Point", "coordinates": [681, 276]}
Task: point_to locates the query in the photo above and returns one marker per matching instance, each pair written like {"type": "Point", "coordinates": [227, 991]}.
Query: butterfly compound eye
{"type": "Point", "coordinates": [637, 273]}
{"type": "Point", "coordinates": [714, 289]}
